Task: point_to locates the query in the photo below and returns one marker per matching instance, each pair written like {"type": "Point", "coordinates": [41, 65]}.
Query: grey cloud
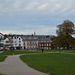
{"type": "Point", "coordinates": [36, 6]}
{"type": "Point", "coordinates": [38, 13]}
{"type": "Point", "coordinates": [42, 29]}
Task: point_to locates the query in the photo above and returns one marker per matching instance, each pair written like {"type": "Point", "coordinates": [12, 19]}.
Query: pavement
{"type": "Point", "coordinates": [1, 51]}
{"type": "Point", "coordinates": [14, 66]}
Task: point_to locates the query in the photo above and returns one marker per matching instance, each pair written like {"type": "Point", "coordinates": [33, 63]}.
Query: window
{"type": "Point", "coordinates": [24, 43]}
{"type": "Point", "coordinates": [47, 41]}
{"type": "Point", "coordinates": [28, 42]}
{"type": "Point", "coordinates": [33, 47]}
{"type": "Point", "coordinates": [19, 38]}
{"type": "Point", "coordinates": [44, 44]}
{"type": "Point", "coordinates": [6, 41]}
{"type": "Point", "coordinates": [19, 41]}
{"type": "Point", "coordinates": [41, 41]}
{"type": "Point", "coordinates": [49, 47]}
{"type": "Point", "coordinates": [15, 37]}
{"type": "Point", "coordinates": [45, 48]}
{"type": "Point", "coordinates": [35, 43]}
{"type": "Point", "coordinates": [19, 44]}
{"type": "Point", "coordinates": [47, 44]}
{"type": "Point", "coordinates": [32, 42]}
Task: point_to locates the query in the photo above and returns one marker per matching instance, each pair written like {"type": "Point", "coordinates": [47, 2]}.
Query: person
{"type": "Point", "coordinates": [11, 49]}
{"type": "Point", "coordinates": [42, 50]}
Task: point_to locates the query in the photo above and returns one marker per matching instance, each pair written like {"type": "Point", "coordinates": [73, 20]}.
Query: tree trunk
{"type": "Point", "coordinates": [67, 46]}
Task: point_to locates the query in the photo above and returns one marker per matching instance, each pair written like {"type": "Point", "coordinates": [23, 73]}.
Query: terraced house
{"type": "Point", "coordinates": [26, 42]}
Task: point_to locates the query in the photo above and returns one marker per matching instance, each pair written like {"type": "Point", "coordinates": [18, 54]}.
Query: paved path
{"type": "Point", "coordinates": [1, 51]}
{"type": "Point", "coordinates": [14, 66]}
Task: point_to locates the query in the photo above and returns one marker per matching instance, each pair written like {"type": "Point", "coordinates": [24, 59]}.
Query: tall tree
{"type": "Point", "coordinates": [64, 34]}
{"type": "Point", "coordinates": [67, 28]}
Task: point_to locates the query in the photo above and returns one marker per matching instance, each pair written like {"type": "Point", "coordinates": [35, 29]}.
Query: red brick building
{"type": "Point", "coordinates": [45, 44]}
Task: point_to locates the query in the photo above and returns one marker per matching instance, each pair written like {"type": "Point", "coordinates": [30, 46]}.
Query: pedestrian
{"type": "Point", "coordinates": [42, 50]}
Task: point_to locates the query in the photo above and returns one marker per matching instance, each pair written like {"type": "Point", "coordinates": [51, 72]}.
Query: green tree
{"type": "Point", "coordinates": [67, 28]}
{"type": "Point", "coordinates": [65, 32]}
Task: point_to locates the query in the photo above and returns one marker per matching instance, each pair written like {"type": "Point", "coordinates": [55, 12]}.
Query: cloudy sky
{"type": "Point", "coordinates": [41, 16]}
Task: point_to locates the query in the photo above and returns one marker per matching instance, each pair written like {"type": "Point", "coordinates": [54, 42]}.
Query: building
{"type": "Point", "coordinates": [6, 43]}
{"type": "Point", "coordinates": [28, 41]}
{"type": "Point", "coordinates": [45, 42]}
{"type": "Point", "coordinates": [1, 41]}
{"type": "Point", "coordinates": [14, 41]}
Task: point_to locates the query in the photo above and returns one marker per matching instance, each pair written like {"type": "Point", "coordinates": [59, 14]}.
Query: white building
{"type": "Point", "coordinates": [1, 41]}
{"type": "Point", "coordinates": [6, 43]}
{"type": "Point", "coordinates": [14, 41]}
{"type": "Point", "coordinates": [17, 42]}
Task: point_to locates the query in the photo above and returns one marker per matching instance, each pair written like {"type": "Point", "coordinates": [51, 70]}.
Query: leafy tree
{"type": "Point", "coordinates": [64, 35]}
{"type": "Point", "coordinates": [67, 28]}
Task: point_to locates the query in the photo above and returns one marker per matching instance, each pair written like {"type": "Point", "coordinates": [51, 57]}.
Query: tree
{"type": "Point", "coordinates": [64, 34]}
{"type": "Point", "coordinates": [67, 28]}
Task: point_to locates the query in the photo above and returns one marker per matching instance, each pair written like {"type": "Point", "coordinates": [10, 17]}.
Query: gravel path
{"type": "Point", "coordinates": [14, 66]}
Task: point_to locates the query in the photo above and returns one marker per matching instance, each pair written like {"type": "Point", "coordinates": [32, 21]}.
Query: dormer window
{"type": "Point", "coordinates": [15, 37]}
{"type": "Point", "coordinates": [19, 38]}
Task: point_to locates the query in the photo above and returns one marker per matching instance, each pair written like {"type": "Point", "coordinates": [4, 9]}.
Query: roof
{"type": "Point", "coordinates": [1, 33]}
{"type": "Point", "coordinates": [31, 37]}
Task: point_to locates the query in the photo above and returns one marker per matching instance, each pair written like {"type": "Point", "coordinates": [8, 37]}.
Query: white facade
{"type": "Point", "coordinates": [1, 41]}
{"type": "Point", "coordinates": [15, 41]}
{"type": "Point", "coordinates": [6, 41]}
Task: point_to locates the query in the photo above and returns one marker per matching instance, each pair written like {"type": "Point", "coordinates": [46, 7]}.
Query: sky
{"type": "Point", "coordinates": [41, 16]}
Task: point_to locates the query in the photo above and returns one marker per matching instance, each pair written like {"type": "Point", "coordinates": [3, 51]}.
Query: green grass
{"type": "Point", "coordinates": [25, 52]}
{"type": "Point", "coordinates": [54, 64]}
{"type": "Point", "coordinates": [58, 50]}
{"type": "Point", "coordinates": [72, 52]}
{"type": "Point", "coordinates": [17, 52]}
{"type": "Point", "coordinates": [2, 58]}
{"type": "Point", "coordinates": [62, 51]}
{"type": "Point", "coordinates": [3, 55]}
{"type": "Point", "coordinates": [1, 74]}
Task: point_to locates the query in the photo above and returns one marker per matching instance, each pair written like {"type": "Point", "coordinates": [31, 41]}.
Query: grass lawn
{"type": "Point", "coordinates": [2, 58]}
{"type": "Point", "coordinates": [68, 51]}
{"type": "Point", "coordinates": [54, 64]}
{"type": "Point", "coordinates": [16, 52]}
{"type": "Point", "coordinates": [2, 55]}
